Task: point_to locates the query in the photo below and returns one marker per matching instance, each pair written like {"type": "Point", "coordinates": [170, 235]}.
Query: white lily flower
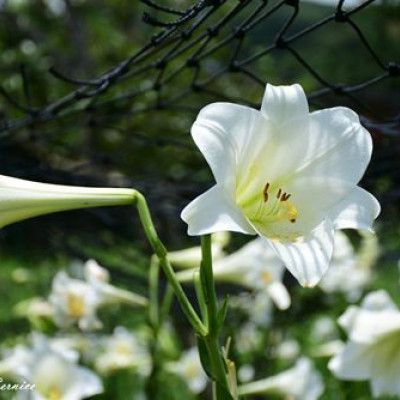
{"type": "Point", "coordinates": [98, 278]}
{"type": "Point", "coordinates": [74, 301]}
{"type": "Point", "coordinates": [74, 345]}
{"type": "Point", "coordinates": [248, 338]}
{"type": "Point", "coordinates": [289, 349]}
{"type": "Point", "coordinates": [77, 301]}
{"type": "Point", "coordinates": [285, 174]}
{"type": "Point", "coordinates": [372, 351]}
{"type": "Point", "coordinates": [53, 374]}
{"type": "Point", "coordinates": [191, 257]}
{"type": "Point", "coordinates": [14, 363]}
{"type": "Point", "coordinates": [258, 306]}
{"type": "Point", "coordinates": [350, 272]}
{"type": "Point", "coordinates": [369, 250]}
{"type": "Point", "coordinates": [325, 337]}
{"type": "Point", "coordinates": [261, 309]}
{"type": "Point", "coordinates": [189, 368]}
{"type": "Point", "coordinates": [324, 329]}
{"type": "Point", "coordinates": [21, 199]}
{"type": "Point", "coordinates": [328, 349]}
{"type": "Point", "coordinates": [246, 373]}
{"type": "Point", "coordinates": [254, 266]}
{"type": "Point", "coordinates": [301, 382]}
{"type": "Point", "coordinates": [122, 350]}
{"type": "Point", "coordinates": [35, 307]}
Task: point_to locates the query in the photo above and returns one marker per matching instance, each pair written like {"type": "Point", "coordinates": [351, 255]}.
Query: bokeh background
{"type": "Point", "coordinates": [103, 93]}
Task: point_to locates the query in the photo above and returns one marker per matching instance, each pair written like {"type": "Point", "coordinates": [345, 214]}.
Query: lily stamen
{"type": "Point", "coordinates": [265, 192]}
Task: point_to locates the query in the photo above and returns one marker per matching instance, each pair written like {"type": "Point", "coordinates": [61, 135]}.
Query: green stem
{"type": "Point", "coordinates": [161, 253]}
{"type": "Point", "coordinates": [210, 297]}
{"type": "Point", "coordinates": [166, 303]}
{"type": "Point", "coordinates": [200, 295]}
{"type": "Point", "coordinates": [154, 276]}
{"type": "Point", "coordinates": [209, 287]}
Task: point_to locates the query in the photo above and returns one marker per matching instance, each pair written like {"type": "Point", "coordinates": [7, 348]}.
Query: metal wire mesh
{"type": "Point", "coordinates": [223, 50]}
{"type": "Point", "coordinates": [189, 41]}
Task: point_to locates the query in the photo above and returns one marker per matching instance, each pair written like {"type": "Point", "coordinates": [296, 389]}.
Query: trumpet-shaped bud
{"type": "Point", "coordinates": [191, 257]}
{"type": "Point", "coordinates": [301, 382]}
{"type": "Point", "coordinates": [254, 266]}
{"type": "Point", "coordinates": [21, 199]}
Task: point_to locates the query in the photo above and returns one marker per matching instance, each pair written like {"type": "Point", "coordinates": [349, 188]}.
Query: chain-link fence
{"type": "Point", "coordinates": [110, 127]}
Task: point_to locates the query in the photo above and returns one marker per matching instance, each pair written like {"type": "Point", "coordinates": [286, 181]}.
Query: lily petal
{"type": "Point", "coordinates": [338, 146]}
{"type": "Point", "coordinates": [85, 384]}
{"type": "Point", "coordinates": [358, 210]}
{"type": "Point", "coordinates": [385, 370]}
{"type": "Point", "coordinates": [218, 131]}
{"type": "Point", "coordinates": [353, 354]}
{"type": "Point", "coordinates": [331, 143]}
{"type": "Point", "coordinates": [279, 295]}
{"type": "Point", "coordinates": [370, 326]}
{"type": "Point", "coordinates": [308, 258]}
{"type": "Point", "coordinates": [214, 212]}
{"type": "Point", "coordinates": [282, 104]}
{"type": "Point", "coordinates": [379, 300]}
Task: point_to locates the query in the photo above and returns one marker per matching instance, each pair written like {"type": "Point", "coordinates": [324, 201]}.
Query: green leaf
{"type": "Point", "coordinates": [205, 358]}
{"type": "Point", "coordinates": [222, 392]}
{"type": "Point", "coordinates": [222, 313]}
{"type": "Point", "coordinates": [203, 282]}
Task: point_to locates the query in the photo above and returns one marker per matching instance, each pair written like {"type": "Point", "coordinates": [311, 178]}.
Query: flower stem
{"type": "Point", "coordinates": [161, 253]}
{"type": "Point", "coordinates": [166, 303]}
{"type": "Point", "coordinates": [210, 297]}
{"type": "Point", "coordinates": [154, 276]}
{"type": "Point", "coordinates": [208, 285]}
{"type": "Point", "coordinates": [152, 386]}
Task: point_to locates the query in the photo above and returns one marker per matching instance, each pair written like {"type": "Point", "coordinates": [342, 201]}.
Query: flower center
{"type": "Point", "coordinates": [191, 371]}
{"type": "Point", "coordinates": [274, 207]}
{"type": "Point", "coordinates": [52, 393]}
{"type": "Point", "coordinates": [123, 349]}
{"type": "Point", "coordinates": [75, 305]}
{"type": "Point", "coordinates": [266, 277]}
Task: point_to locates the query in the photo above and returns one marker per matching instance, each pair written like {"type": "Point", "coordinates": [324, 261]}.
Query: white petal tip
{"type": "Point", "coordinates": [310, 284]}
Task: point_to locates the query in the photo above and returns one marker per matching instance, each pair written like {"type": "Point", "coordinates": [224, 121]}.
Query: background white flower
{"type": "Point", "coordinates": [350, 272]}
{"type": "Point", "coordinates": [285, 174]}
{"type": "Point", "coordinates": [248, 338]}
{"type": "Point", "coordinates": [373, 348]}
{"type": "Point", "coordinates": [74, 301]}
{"type": "Point", "coordinates": [254, 266]}
{"type": "Point", "coordinates": [191, 257]}
{"type": "Point", "coordinates": [98, 278]}
{"type": "Point", "coordinates": [301, 382]}
{"type": "Point", "coordinates": [53, 371]}
{"type": "Point", "coordinates": [189, 368]}
{"type": "Point", "coordinates": [77, 301]}
{"type": "Point", "coordinates": [122, 350]}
